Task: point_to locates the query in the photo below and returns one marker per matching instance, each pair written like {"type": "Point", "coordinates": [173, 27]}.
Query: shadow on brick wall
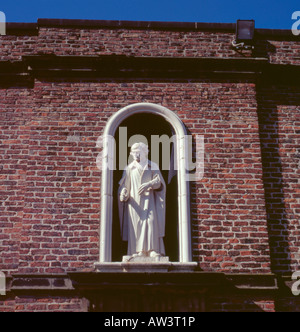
{"type": "Point", "coordinates": [263, 49]}
{"type": "Point", "coordinates": [278, 147]}
{"type": "Point", "coordinates": [278, 109]}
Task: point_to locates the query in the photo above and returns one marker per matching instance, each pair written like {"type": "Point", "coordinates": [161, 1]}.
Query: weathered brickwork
{"type": "Point", "coordinates": [245, 210]}
{"type": "Point", "coordinates": [43, 304]}
{"type": "Point", "coordinates": [144, 42]}
{"type": "Point", "coordinates": [61, 214]}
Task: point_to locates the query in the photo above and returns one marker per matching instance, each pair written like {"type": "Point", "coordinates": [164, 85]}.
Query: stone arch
{"type": "Point", "coordinates": [185, 250]}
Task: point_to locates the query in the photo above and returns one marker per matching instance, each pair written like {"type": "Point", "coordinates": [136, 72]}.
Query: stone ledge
{"type": "Point", "coordinates": [162, 266]}
{"type": "Point", "coordinates": [123, 67]}
{"type": "Point", "coordinates": [178, 274]}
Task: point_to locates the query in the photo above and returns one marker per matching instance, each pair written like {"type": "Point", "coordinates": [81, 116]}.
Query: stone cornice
{"type": "Point", "coordinates": [52, 67]}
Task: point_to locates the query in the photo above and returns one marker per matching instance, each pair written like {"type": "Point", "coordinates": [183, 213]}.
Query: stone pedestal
{"type": "Point", "coordinates": [146, 264]}
{"type": "Point", "coordinates": [145, 259]}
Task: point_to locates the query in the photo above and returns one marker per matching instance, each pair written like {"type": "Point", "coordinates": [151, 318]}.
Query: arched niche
{"type": "Point", "coordinates": [184, 222]}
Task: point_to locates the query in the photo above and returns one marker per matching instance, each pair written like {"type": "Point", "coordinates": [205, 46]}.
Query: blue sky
{"type": "Point", "coordinates": [271, 14]}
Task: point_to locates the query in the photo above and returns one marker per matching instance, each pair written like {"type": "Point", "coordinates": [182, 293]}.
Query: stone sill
{"type": "Point", "coordinates": [158, 267]}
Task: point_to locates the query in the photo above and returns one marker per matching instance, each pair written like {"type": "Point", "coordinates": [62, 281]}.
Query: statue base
{"type": "Point", "coordinates": [145, 259]}
{"type": "Point", "coordinates": [145, 264]}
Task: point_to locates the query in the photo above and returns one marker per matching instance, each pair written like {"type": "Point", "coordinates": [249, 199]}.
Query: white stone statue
{"type": "Point", "coordinates": [142, 197]}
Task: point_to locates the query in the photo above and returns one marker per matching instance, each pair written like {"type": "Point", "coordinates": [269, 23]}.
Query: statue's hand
{"type": "Point", "coordinates": [144, 187]}
{"type": "Point", "coordinates": [124, 195]}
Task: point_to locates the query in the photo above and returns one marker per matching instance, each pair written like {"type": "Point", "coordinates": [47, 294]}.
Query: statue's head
{"type": "Point", "coordinates": [139, 151]}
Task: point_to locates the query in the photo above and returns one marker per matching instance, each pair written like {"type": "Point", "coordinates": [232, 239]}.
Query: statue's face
{"type": "Point", "coordinates": [136, 154]}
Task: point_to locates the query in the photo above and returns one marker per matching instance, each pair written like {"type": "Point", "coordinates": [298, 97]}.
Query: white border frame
{"type": "Point", "coordinates": [185, 250]}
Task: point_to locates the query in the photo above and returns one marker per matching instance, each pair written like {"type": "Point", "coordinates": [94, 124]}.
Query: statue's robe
{"type": "Point", "coordinates": [142, 217]}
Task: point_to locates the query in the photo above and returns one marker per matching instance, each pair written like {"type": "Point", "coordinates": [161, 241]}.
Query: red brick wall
{"type": "Point", "coordinates": [245, 211]}
{"type": "Point", "coordinates": [50, 183]}
{"type": "Point", "coordinates": [61, 211]}
{"type": "Point", "coordinates": [15, 110]}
